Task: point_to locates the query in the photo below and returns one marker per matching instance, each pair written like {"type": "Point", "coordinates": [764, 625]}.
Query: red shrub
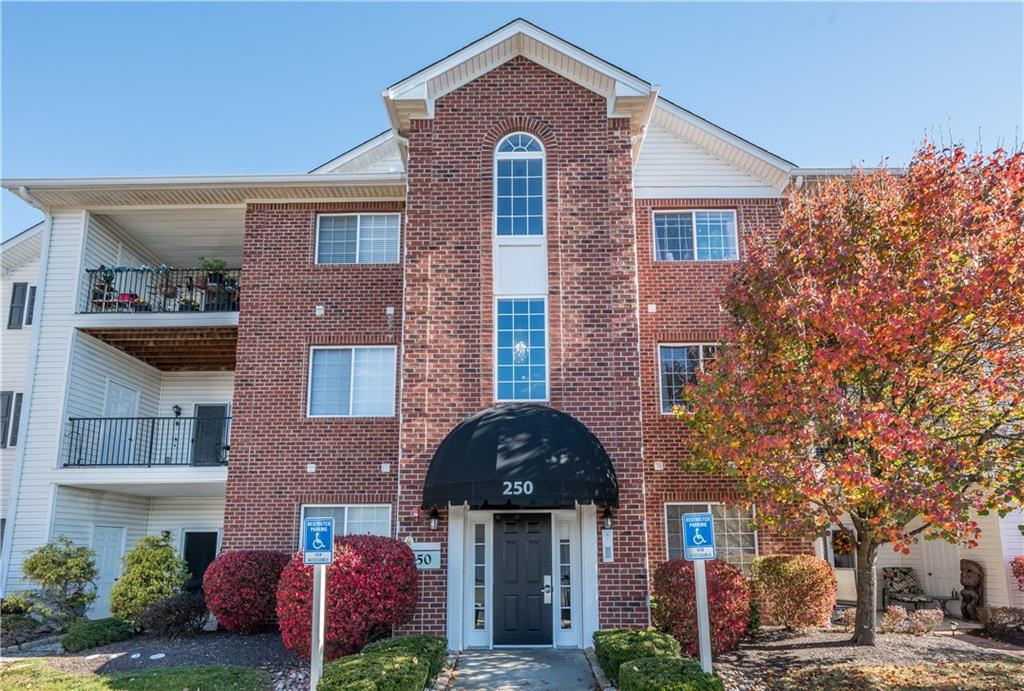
{"type": "Point", "coordinates": [1017, 567]}
{"type": "Point", "coordinates": [371, 588]}
{"type": "Point", "coordinates": [797, 591]}
{"type": "Point", "coordinates": [241, 588]}
{"type": "Point", "coordinates": [675, 604]}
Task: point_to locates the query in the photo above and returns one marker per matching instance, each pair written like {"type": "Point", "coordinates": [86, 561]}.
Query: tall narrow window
{"type": "Point", "coordinates": [519, 186]}
{"type": "Point", "coordinates": [479, 576]}
{"type": "Point", "coordinates": [16, 315]}
{"type": "Point", "coordinates": [522, 350]}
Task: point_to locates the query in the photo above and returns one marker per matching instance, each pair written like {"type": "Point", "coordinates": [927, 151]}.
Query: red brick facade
{"type": "Point", "coordinates": [603, 366]}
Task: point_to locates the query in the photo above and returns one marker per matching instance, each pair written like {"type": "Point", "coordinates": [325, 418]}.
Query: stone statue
{"type": "Point", "coordinates": [972, 578]}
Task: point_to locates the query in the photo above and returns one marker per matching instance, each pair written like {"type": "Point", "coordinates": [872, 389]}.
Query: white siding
{"type": "Point", "coordinates": [108, 245]}
{"type": "Point", "coordinates": [186, 389]}
{"type": "Point", "coordinates": [14, 349]}
{"type": "Point", "coordinates": [42, 425]}
{"type": "Point", "coordinates": [989, 553]}
{"type": "Point", "coordinates": [175, 514]}
{"type": "Point", "coordinates": [670, 166]}
{"type": "Point", "coordinates": [76, 511]}
{"type": "Point", "coordinates": [1013, 546]}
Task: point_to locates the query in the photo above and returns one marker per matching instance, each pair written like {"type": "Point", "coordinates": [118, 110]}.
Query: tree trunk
{"type": "Point", "coordinates": [867, 554]}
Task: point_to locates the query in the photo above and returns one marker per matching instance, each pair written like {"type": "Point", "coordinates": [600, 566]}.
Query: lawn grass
{"type": "Point", "coordinates": [37, 675]}
{"type": "Point", "coordinates": [940, 676]}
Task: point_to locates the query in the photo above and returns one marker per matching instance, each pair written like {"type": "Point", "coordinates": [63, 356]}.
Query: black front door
{"type": "Point", "coordinates": [200, 550]}
{"type": "Point", "coordinates": [522, 579]}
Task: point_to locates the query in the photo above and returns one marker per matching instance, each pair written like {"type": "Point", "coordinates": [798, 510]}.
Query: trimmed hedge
{"type": "Point", "coordinates": [183, 615]}
{"type": "Point", "coordinates": [380, 671]}
{"type": "Point", "coordinates": [433, 649]}
{"type": "Point", "coordinates": [153, 571]}
{"type": "Point", "coordinates": [666, 674]}
{"type": "Point", "coordinates": [615, 646]}
{"type": "Point", "coordinates": [797, 591]}
{"type": "Point", "coordinates": [92, 633]}
{"type": "Point", "coordinates": [372, 588]}
{"type": "Point", "coordinates": [241, 589]}
{"type": "Point", "coordinates": [674, 607]}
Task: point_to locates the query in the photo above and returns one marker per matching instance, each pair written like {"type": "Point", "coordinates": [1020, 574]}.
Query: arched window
{"type": "Point", "coordinates": [519, 185]}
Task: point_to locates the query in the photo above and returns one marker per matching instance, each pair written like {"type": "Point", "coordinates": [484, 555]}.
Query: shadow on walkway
{"type": "Point", "coordinates": [503, 670]}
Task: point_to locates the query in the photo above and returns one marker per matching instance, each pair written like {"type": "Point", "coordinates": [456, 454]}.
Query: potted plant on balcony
{"type": "Point", "coordinates": [188, 305]}
{"type": "Point", "coordinates": [214, 270]}
{"type": "Point", "coordinates": [141, 304]}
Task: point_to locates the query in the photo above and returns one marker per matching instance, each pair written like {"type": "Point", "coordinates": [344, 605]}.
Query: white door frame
{"type": "Point", "coordinates": [127, 452]}
{"type": "Point", "coordinates": [582, 528]}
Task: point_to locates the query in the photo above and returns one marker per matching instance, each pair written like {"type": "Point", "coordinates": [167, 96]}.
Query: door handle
{"type": "Point", "coordinates": [547, 590]}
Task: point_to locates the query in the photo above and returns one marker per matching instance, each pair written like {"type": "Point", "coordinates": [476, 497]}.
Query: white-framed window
{"type": "Point", "coordinates": [735, 536]}
{"type": "Point", "coordinates": [521, 352]}
{"type": "Point", "coordinates": [695, 235]}
{"type": "Point", "coordinates": [519, 186]}
{"type": "Point", "coordinates": [352, 519]}
{"type": "Point", "coordinates": [678, 365]}
{"type": "Point", "coordinates": [357, 238]}
{"type": "Point", "coordinates": [347, 381]}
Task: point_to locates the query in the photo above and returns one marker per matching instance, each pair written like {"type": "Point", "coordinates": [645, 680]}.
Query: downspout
{"type": "Point", "coordinates": [30, 380]}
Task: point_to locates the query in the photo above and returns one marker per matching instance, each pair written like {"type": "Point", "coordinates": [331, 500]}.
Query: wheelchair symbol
{"type": "Point", "coordinates": [317, 542]}
{"type": "Point", "coordinates": [697, 539]}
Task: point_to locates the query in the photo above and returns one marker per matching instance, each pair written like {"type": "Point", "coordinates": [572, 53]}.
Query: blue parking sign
{"type": "Point", "coordinates": [698, 536]}
{"type": "Point", "coordinates": [318, 541]}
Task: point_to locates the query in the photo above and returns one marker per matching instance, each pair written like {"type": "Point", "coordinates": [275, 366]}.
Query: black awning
{"type": "Point", "coordinates": [520, 456]}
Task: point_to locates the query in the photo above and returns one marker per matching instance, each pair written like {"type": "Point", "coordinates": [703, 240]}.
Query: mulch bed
{"type": "Point", "coordinates": [771, 654]}
{"type": "Point", "coordinates": [263, 651]}
{"type": "Point", "coordinates": [1011, 636]}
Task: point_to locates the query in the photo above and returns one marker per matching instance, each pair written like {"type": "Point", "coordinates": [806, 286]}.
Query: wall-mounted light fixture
{"type": "Point", "coordinates": [434, 518]}
{"type": "Point", "coordinates": [607, 518]}
{"type": "Point", "coordinates": [177, 410]}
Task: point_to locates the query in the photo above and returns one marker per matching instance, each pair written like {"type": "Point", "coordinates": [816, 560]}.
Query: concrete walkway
{"type": "Point", "coordinates": [507, 670]}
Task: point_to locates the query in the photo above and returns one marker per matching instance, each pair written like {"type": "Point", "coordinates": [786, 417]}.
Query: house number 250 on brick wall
{"type": "Point", "coordinates": [517, 487]}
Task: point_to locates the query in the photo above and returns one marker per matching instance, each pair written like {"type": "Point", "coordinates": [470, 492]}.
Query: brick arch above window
{"type": "Point", "coordinates": [529, 124]}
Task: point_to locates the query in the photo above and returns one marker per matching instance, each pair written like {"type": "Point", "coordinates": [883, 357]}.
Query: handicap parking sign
{"type": "Point", "coordinates": [318, 541]}
{"type": "Point", "coordinates": [698, 536]}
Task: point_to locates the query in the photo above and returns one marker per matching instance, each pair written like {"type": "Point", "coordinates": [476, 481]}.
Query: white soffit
{"type": "Point", "coordinates": [378, 154]}
{"type": "Point", "coordinates": [104, 193]}
{"type": "Point", "coordinates": [414, 96]}
{"type": "Point", "coordinates": [22, 248]}
{"type": "Point", "coordinates": [723, 144]}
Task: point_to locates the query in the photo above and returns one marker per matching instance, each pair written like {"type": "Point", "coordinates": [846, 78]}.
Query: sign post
{"type": "Point", "coordinates": [698, 547]}
{"type": "Point", "coordinates": [318, 552]}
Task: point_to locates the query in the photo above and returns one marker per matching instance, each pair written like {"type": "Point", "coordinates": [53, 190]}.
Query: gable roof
{"type": "Point", "coordinates": [22, 248]}
{"type": "Point", "coordinates": [379, 153]}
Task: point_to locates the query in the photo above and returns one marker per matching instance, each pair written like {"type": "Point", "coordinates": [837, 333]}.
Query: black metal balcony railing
{"type": "Point", "coordinates": [147, 441]}
{"type": "Point", "coordinates": [120, 289]}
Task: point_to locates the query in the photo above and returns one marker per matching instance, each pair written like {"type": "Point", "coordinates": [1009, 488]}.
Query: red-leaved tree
{"type": "Point", "coordinates": [874, 367]}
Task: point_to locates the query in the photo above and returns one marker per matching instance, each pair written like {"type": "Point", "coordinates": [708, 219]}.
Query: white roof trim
{"type": "Point", "coordinates": [414, 86]}
{"type": "Point", "coordinates": [296, 179]}
{"type": "Point", "coordinates": [773, 169]}
{"type": "Point", "coordinates": [356, 152]}
{"type": "Point", "coordinates": [22, 236]}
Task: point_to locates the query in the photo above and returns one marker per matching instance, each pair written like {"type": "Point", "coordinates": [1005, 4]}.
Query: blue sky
{"type": "Point", "coordinates": [177, 89]}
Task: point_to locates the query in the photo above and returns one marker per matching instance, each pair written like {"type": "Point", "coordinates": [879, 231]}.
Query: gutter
{"type": "Point", "coordinates": [21, 186]}
{"type": "Point", "coordinates": [30, 385]}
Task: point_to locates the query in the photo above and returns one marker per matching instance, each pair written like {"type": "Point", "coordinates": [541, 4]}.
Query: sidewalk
{"type": "Point", "coordinates": [507, 670]}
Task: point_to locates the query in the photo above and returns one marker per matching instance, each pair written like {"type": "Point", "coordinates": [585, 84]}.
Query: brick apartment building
{"type": "Point", "coordinates": [467, 333]}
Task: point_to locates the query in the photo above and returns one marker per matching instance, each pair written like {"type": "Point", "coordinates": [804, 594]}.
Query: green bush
{"type": "Point", "coordinates": [430, 648]}
{"type": "Point", "coordinates": [380, 671]}
{"type": "Point", "coordinates": [92, 633]}
{"type": "Point", "coordinates": [615, 646]}
{"type": "Point", "coordinates": [66, 575]}
{"type": "Point", "coordinates": [153, 571]}
{"type": "Point", "coordinates": [666, 674]}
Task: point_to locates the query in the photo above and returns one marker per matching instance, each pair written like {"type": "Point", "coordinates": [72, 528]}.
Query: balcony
{"type": "Point", "coordinates": [147, 441]}
{"type": "Point", "coordinates": [143, 290]}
